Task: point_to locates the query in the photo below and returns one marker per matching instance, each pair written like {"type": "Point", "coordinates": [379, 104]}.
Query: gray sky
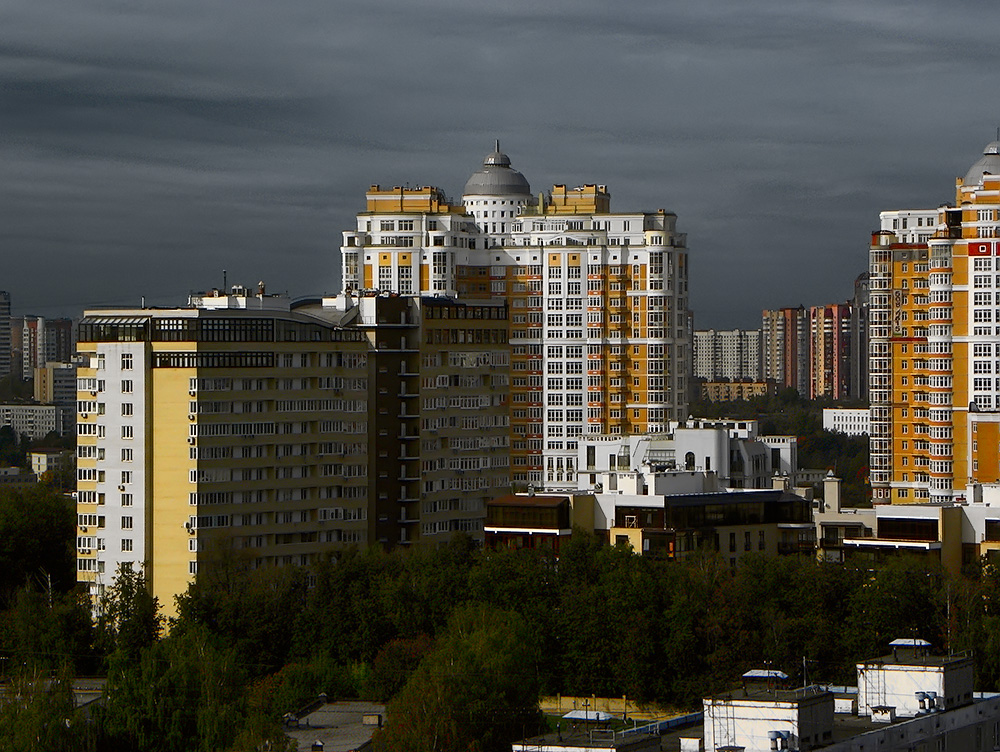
{"type": "Point", "coordinates": [146, 146]}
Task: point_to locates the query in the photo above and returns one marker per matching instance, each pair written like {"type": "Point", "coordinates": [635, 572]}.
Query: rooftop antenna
{"type": "Point", "coordinates": [224, 283]}
{"type": "Point", "coordinates": [498, 140]}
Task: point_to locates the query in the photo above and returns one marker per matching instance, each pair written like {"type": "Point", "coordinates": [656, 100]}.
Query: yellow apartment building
{"type": "Point", "coordinates": [934, 339]}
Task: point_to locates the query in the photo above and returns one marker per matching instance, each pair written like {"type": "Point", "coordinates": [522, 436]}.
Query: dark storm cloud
{"type": "Point", "coordinates": [144, 146]}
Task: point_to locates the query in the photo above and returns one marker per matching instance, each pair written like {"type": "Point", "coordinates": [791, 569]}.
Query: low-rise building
{"type": "Point", "coordinates": [16, 478]}
{"type": "Point", "coordinates": [908, 700]}
{"type": "Point", "coordinates": [847, 420]}
{"type": "Point", "coordinates": [762, 718]}
{"type": "Point", "coordinates": [51, 460]}
{"type": "Point", "coordinates": [735, 523]}
{"type": "Point", "coordinates": [730, 450]}
{"type": "Point", "coordinates": [34, 421]}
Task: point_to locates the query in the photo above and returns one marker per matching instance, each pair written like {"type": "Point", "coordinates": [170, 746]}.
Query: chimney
{"type": "Point", "coordinates": [831, 493]}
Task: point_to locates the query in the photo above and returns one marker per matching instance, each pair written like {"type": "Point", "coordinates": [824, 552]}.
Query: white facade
{"type": "Point", "coordinates": [850, 421]}
{"type": "Point", "coordinates": [914, 685]}
{"type": "Point", "coordinates": [36, 421]}
{"type": "Point", "coordinates": [732, 354]}
{"type": "Point", "coordinates": [729, 451]}
{"type": "Point", "coordinates": [754, 720]}
{"type": "Point", "coordinates": [599, 301]}
{"type": "Point", "coordinates": [121, 474]}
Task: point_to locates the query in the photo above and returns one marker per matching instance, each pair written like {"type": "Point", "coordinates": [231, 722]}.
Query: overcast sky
{"type": "Point", "coordinates": [146, 146]}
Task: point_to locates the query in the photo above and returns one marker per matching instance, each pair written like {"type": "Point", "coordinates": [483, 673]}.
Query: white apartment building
{"type": "Point", "coordinates": [37, 421]}
{"type": "Point", "coordinates": [599, 332]}
{"type": "Point", "coordinates": [732, 354]}
{"type": "Point", "coordinates": [846, 420]}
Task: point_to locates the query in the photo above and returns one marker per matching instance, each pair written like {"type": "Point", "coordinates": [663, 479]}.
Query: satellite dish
{"type": "Point", "coordinates": [598, 487]}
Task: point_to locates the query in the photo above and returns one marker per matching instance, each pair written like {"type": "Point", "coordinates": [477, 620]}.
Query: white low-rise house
{"type": "Point", "coordinates": [729, 451]}
{"type": "Point", "coordinates": [850, 421]}
{"type": "Point", "coordinates": [763, 718]}
{"type": "Point", "coordinates": [911, 681]}
{"type": "Point", "coordinates": [909, 700]}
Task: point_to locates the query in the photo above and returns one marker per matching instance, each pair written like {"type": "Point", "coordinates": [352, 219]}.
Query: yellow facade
{"type": "Point", "coordinates": [228, 429]}
{"type": "Point", "coordinates": [935, 313]}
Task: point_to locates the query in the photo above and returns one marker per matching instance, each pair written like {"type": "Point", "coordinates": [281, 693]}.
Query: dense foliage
{"type": "Point", "coordinates": [466, 636]}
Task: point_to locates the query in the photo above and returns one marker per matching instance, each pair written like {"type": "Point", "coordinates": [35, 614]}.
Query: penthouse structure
{"type": "Point", "coordinates": [598, 300]}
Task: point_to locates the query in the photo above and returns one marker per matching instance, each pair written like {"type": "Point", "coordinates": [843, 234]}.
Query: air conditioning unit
{"type": "Point", "coordinates": [193, 392]}
{"type": "Point", "coordinates": [83, 529]}
{"type": "Point", "coordinates": [121, 487]}
{"type": "Point", "coordinates": [93, 393]}
{"type": "Point", "coordinates": [190, 439]}
{"type": "Point", "coordinates": [84, 415]}
{"type": "Point", "coordinates": [191, 416]}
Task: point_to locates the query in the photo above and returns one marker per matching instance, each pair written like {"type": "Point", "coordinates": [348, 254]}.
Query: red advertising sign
{"type": "Point", "coordinates": [982, 248]}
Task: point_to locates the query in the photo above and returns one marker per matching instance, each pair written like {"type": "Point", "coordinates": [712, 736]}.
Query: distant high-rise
{"type": "Point", "coordinates": [785, 347]}
{"type": "Point", "coordinates": [830, 351]}
{"type": "Point", "coordinates": [5, 352]}
{"type": "Point", "coordinates": [859, 339]}
{"type": "Point", "coordinates": [732, 355]}
{"type": "Point", "coordinates": [44, 340]}
{"type": "Point", "coordinates": [598, 300]}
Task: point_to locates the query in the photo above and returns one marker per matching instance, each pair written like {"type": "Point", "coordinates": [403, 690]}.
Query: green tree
{"type": "Point", "coordinates": [45, 630]}
{"type": "Point", "coordinates": [476, 690]}
{"type": "Point", "coordinates": [37, 540]}
{"type": "Point", "coordinates": [129, 618]}
{"type": "Point", "coordinates": [36, 713]}
{"type": "Point", "coordinates": [184, 692]}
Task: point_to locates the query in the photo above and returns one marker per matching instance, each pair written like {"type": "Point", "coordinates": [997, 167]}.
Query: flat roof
{"type": "Point", "coordinates": [527, 501]}
{"type": "Point", "coordinates": [761, 693]}
{"type": "Point", "coordinates": [918, 657]}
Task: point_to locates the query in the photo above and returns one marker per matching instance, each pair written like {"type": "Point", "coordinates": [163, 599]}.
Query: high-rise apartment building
{"type": "Point", "coordinates": [439, 412]}
{"type": "Point", "coordinates": [935, 342]}
{"type": "Point", "coordinates": [5, 351]}
{"type": "Point", "coordinates": [235, 422]}
{"type": "Point", "coordinates": [785, 347]}
{"type": "Point", "coordinates": [830, 351]}
{"type": "Point", "coordinates": [285, 432]}
{"type": "Point", "coordinates": [859, 339]}
{"type": "Point", "coordinates": [43, 340]}
{"type": "Point", "coordinates": [733, 354]}
{"type": "Point", "coordinates": [598, 300]}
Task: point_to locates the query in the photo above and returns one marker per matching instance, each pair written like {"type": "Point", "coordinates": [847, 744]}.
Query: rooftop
{"type": "Point", "coordinates": [340, 726]}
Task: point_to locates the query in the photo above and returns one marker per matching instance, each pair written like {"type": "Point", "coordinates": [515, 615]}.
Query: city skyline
{"type": "Point", "coordinates": [147, 151]}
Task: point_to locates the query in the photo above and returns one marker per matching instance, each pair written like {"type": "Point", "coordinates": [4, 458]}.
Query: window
{"type": "Point", "coordinates": [126, 499]}
{"type": "Point", "coordinates": [126, 476]}
{"type": "Point", "coordinates": [126, 409]}
{"type": "Point", "coordinates": [126, 544]}
{"type": "Point", "coordinates": [126, 363]}
{"type": "Point", "coordinates": [127, 432]}
{"type": "Point", "coordinates": [126, 523]}
{"type": "Point", "coordinates": [126, 455]}
{"type": "Point", "coordinates": [126, 386]}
